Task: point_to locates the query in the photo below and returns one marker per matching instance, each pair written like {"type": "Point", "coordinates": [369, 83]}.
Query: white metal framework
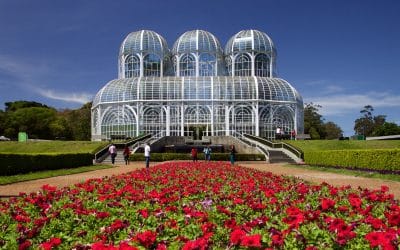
{"type": "Point", "coordinates": [196, 86]}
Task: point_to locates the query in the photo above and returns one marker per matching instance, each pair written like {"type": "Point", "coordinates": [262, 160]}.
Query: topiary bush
{"type": "Point", "coordinates": [11, 164]}
{"type": "Point", "coordinates": [373, 159]}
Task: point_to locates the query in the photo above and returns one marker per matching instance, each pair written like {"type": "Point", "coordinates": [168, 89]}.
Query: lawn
{"type": "Point", "coordinates": [8, 179]}
{"type": "Point", "coordinates": [51, 147]}
{"type": "Point", "coordinates": [185, 205]}
{"type": "Point", "coordinates": [317, 145]}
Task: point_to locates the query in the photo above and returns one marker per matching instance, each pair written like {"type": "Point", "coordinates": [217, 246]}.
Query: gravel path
{"type": "Point", "coordinates": [306, 174]}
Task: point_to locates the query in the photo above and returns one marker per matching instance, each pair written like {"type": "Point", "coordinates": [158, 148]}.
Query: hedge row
{"type": "Point", "coordinates": [11, 164]}
{"type": "Point", "coordinates": [373, 159]}
{"type": "Point", "coordinates": [182, 156]}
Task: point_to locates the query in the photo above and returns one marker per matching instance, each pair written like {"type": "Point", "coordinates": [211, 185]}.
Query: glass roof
{"type": "Point", "coordinates": [249, 40]}
{"type": "Point", "coordinates": [197, 41]}
{"type": "Point", "coordinates": [144, 41]}
{"type": "Point", "coordinates": [221, 88]}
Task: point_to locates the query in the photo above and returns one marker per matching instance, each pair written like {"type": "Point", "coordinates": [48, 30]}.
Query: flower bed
{"type": "Point", "coordinates": [200, 206]}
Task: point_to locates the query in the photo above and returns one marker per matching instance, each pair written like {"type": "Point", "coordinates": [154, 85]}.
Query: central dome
{"type": "Point", "coordinates": [197, 41]}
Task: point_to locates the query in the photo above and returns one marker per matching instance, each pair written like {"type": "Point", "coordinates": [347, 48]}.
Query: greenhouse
{"type": "Point", "coordinates": [196, 89]}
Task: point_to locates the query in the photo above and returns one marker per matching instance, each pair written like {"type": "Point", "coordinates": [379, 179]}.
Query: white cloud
{"type": "Point", "coordinates": [67, 97]}
{"type": "Point", "coordinates": [347, 103]}
{"type": "Point", "coordinates": [29, 74]}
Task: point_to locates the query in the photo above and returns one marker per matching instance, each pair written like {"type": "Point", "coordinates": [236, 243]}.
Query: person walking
{"type": "Point", "coordinates": [232, 153]}
{"type": "Point", "coordinates": [113, 152]}
{"type": "Point", "coordinates": [126, 154]}
{"type": "Point", "coordinates": [147, 156]}
{"type": "Point", "coordinates": [207, 153]}
{"type": "Point", "coordinates": [194, 154]}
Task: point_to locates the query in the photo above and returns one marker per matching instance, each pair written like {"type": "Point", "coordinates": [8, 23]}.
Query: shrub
{"type": "Point", "coordinates": [182, 156]}
{"type": "Point", "coordinates": [376, 159]}
{"type": "Point", "coordinates": [11, 164]}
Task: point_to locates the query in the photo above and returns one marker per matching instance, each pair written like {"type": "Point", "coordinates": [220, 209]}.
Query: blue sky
{"type": "Point", "coordinates": [341, 54]}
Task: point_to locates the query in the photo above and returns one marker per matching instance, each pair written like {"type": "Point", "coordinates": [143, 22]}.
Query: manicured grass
{"type": "Point", "coordinates": [318, 145]}
{"type": "Point", "coordinates": [51, 147]}
{"type": "Point", "coordinates": [49, 173]}
{"type": "Point", "coordinates": [356, 173]}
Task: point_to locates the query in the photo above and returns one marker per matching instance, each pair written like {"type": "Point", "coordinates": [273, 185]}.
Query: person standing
{"type": "Point", "coordinates": [147, 156]}
{"type": "Point", "coordinates": [113, 152]}
{"type": "Point", "coordinates": [194, 154]}
{"type": "Point", "coordinates": [293, 135]}
{"type": "Point", "coordinates": [278, 133]}
{"type": "Point", "coordinates": [126, 153]}
{"type": "Point", "coordinates": [232, 153]}
{"type": "Point", "coordinates": [207, 153]}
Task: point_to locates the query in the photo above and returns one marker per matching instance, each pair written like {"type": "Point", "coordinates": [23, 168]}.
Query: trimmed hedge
{"type": "Point", "coordinates": [11, 164]}
{"type": "Point", "coordinates": [373, 159]}
{"type": "Point", "coordinates": [182, 156]}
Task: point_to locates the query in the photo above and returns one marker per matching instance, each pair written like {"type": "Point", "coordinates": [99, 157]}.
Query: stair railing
{"type": "Point", "coordinates": [283, 145]}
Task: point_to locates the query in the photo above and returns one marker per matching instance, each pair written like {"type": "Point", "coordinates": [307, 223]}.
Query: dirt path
{"type": "Point", "coordinates": [331, 178]}
{"type": "Point", "coordinates": [306, 174]}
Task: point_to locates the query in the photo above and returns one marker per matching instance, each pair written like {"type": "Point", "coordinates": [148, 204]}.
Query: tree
{"type": "Point", "coordinates": [34, 120]}
{"type": "Point", "coordinates": [333, 131]}
{"type": "Point", "coordinates": [313, 121]}
{"type": "Point", "coordinates": [14, 106]}
{"type": "Point", "coordinates": [79, 122]}
{"type": "Point", "coordinates": [367, 123]}
{"type": "Point", "coordinates": [388, 128]}
{"type": "Point", "coordinates": [43, 122]}
{"type": "Point", "coordinates": [2, 121]}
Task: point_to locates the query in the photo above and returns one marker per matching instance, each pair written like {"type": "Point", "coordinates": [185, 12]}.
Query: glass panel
{"type": "Point", "coordinates": [132, 66]}
{"type": "Point", "coordinates": [187, 65]}
{"type": "Point", "coordinates": [242, 65]}
{"type": "Point", "coordinates": [207, 65]}
{"type": "Point", "coordinates": [262, 65]}
{"type": "Point", "coordinates": [152, 65]}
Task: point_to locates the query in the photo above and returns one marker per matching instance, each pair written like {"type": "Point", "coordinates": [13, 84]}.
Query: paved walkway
{"type": "Point", "coordinates": [306, 174]}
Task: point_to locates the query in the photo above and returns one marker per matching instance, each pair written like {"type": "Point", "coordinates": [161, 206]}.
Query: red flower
{"type": "Point", "coordinates": [126, 246]}
{"type": "Point", "coordinates": [144, 213]}
{"type": "Point", "coordinates": [383, 239]}
{"type": "Point", "coordinates": [146, 238]}
{"type": "Point", "coordinates": [24, 245]}
{"type": "Point", "coordinates": [53, 242]}
{"type": "Point", "coordinates": [237, 236]}
{"type": "Point", "coordinates": [327, 204]}
{"type": "Point", "coordinates": [355, 201]}
{"type": "Point", "coordinates": [199, 244]}
{"type": "Point", "coordinates": [277, 239]}
{"type": "Point", "coordinates": [251, 241]}
{"type": "Point", "coordinates": [101, 246]}
{"type": "Point", "coordinates": [384, 189]}
{"type": "Point", "coordinates": [393, 218]}
{"type": "Point", "coordinates": [102, 215]}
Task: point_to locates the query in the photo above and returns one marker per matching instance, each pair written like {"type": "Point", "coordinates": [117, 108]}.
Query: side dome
{"type": "Point", "coordinates": [250, 53]}
{"type": "Point", "coordinates": [144, 41]}
{"type": "Point", "coordinates": [250, 41]}
{"type": "Point", "coordinates": [143, 53]}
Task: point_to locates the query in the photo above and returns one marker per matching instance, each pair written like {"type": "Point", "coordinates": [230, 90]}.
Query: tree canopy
{"type": "Point", "coordinates": [42, 122]}
{"type": "Point", "coordinates": [370, 125]}
{"type": "Point", "coordinates": [315, 125]}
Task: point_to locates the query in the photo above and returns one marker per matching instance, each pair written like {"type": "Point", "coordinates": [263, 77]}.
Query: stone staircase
{"type": "Point", "coordinates": [277, 156]}
{"type": "Point", "coordinates": [118, 160]}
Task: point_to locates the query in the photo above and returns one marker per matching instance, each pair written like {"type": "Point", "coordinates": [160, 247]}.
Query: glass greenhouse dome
{"type": "Point", "coordinates": [196, 87]}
